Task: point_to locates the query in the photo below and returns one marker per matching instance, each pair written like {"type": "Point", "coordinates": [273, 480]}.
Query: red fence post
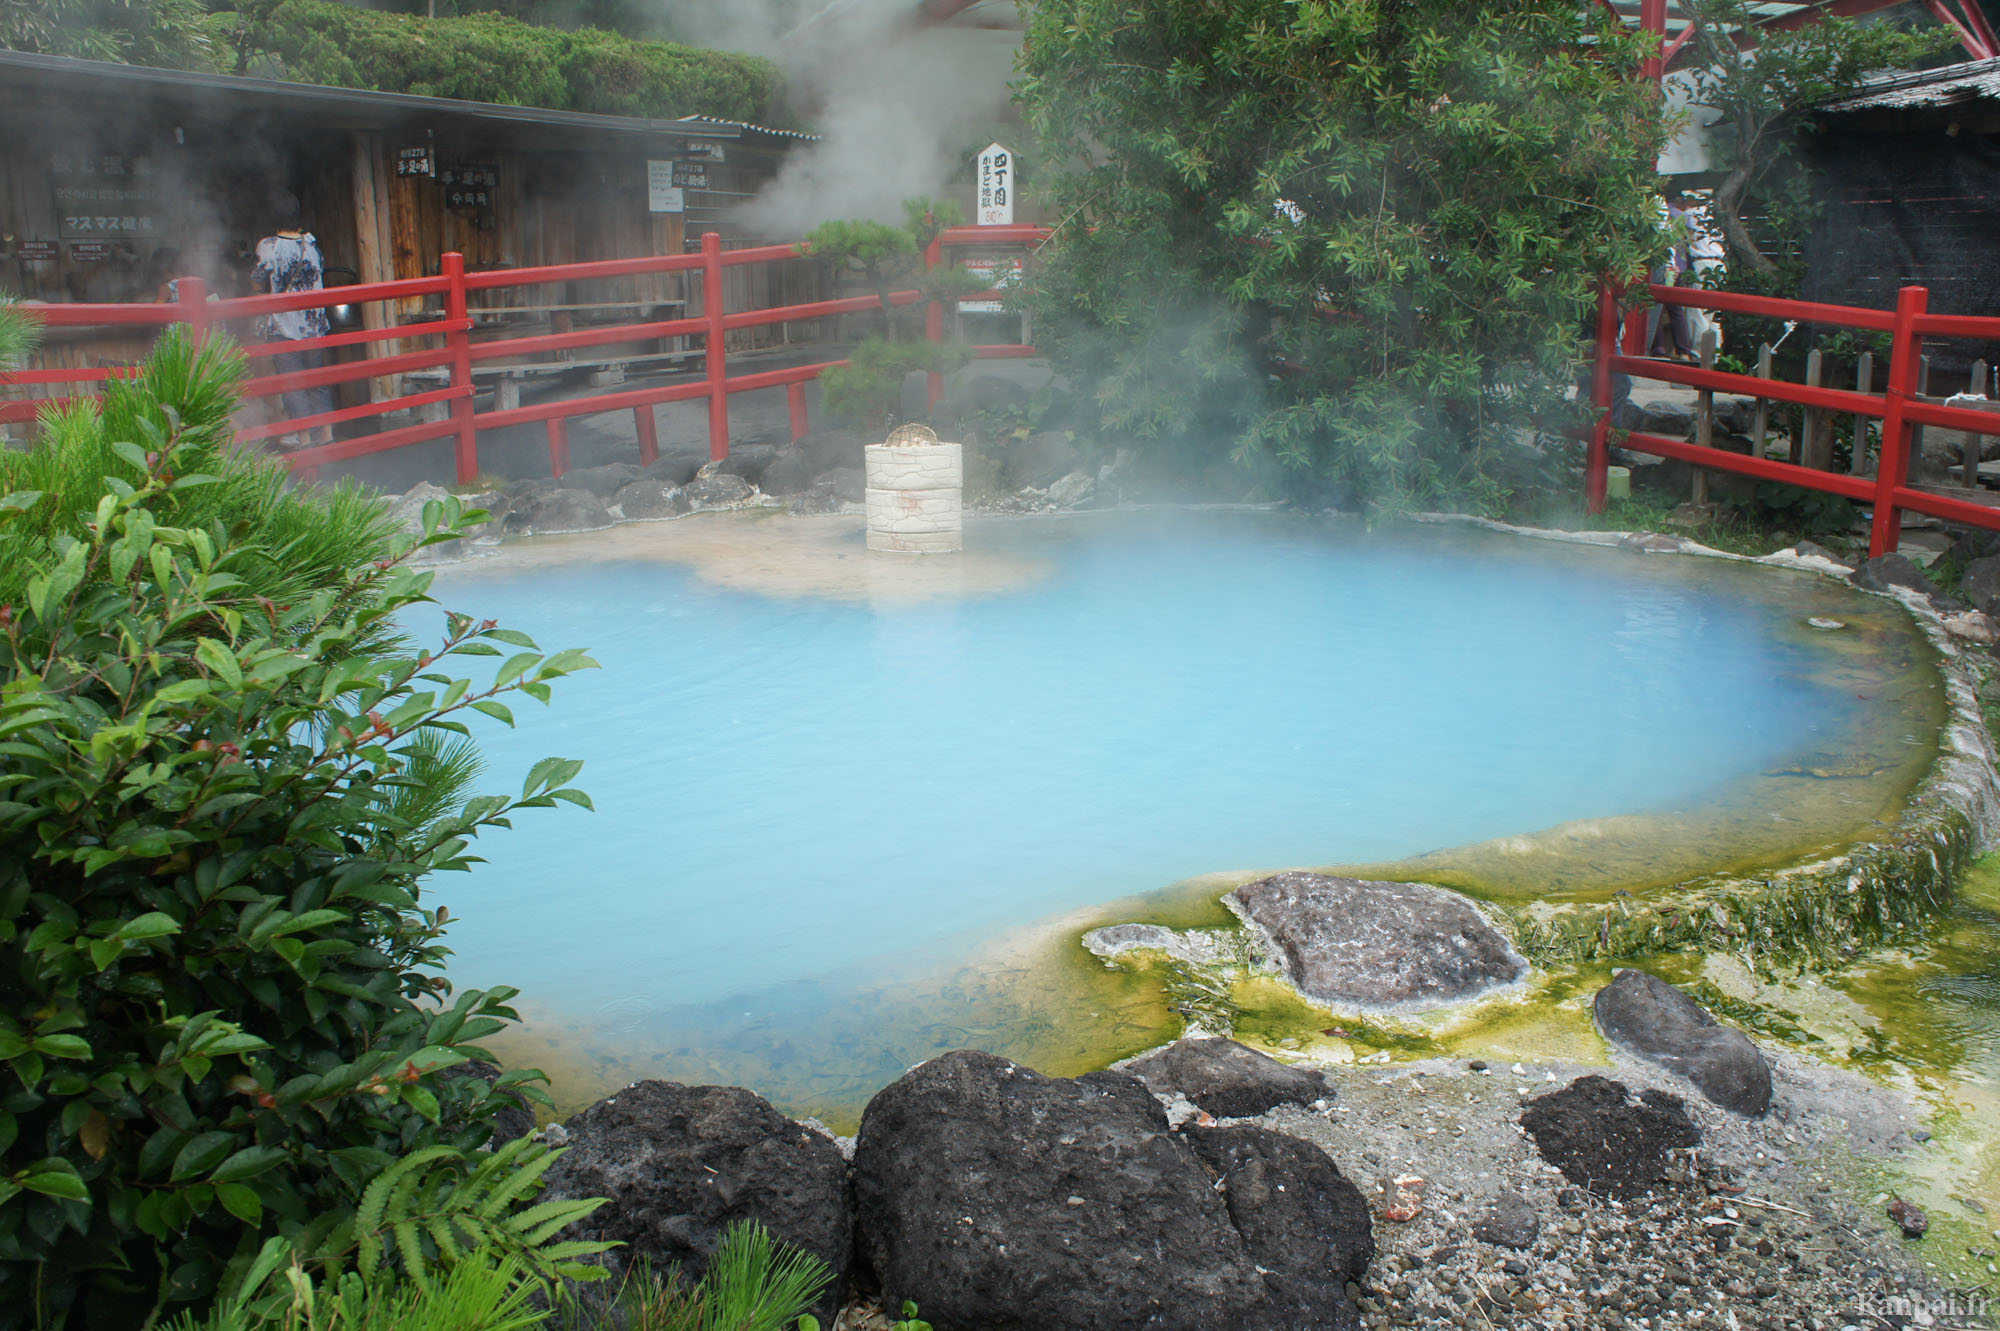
{"type": "Point", "coordinates": [191, 303]}
{"type": "Point", "coordinates": [716, 354]}
{"type": "Point", "coordinates": [1905, 356]}
{"type": "Point", "coordinates": [459, 339]}
{"type": "Point", "coordinates": [795, 398]}
{"type": "Point", "coordinates": [649, 435]}
{"type": "Point", "coordinates": [933, 324]}
{"type": "Point", "coordinates": [558, 430]}
{"type": "Point", "coordinates": [1597, 462]}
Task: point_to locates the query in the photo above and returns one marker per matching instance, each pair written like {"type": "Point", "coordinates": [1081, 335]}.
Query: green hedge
{"type": "Point", "coordinates": [490, 58]}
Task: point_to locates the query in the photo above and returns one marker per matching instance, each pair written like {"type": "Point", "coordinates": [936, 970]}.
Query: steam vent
{"type": "Point", "coordinates": [915, 487]}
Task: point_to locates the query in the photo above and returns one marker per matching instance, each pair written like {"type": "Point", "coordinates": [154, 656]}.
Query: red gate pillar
{"type": "Point", "coordinates": [1905, 356]}
{"type": "Point", "coordinates": [191, 303]}
{"type": "Point", "coordinates": [459, 340]}
{"type": "Point", "coordinates": [715, 353]}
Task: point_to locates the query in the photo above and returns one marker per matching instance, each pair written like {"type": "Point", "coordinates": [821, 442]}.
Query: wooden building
{"type": "Point", "coordinates": [114, 178]}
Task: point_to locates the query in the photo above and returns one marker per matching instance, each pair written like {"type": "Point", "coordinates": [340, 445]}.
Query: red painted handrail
{"type": "Point", "coordinates": [459, 354]}
{"type": "Point", "coordinates": [1897, 406]}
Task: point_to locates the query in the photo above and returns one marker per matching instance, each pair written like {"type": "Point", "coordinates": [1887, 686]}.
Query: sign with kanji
{"type": "Point", "coordinates": [416, 162]}
{"type": "Point", "coordinates": [93, 251]}
{"type": "Point", "coordinates": [690, 175]}
{"type": "Point", "coordinates": [703, 150]}
{"type": "Point", "coordinates": [662, 194]}
{"type": "Point", "coordinates": [996, 186]}
{"type": "Point", "coordinates": [35, 251]}
{"type": "Point", "coordinates": [104, 195]}
{"type": "Point", "coordinates": [998, 275]}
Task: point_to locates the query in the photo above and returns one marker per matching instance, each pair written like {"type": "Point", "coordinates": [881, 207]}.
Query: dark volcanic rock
{"type": "Point", "coordinates": [1305, 1226]}
{"type": "Point", "coordinates": [1039, 460]}
{"type": "Point", "coordinates": [1909, 1218]}
{"type": "Point", "coordinates": [1981, 584]}
{"type": "Point", "coordinates": [1226, 1078]}
{"type": "Point", "coordinates": [747, 461]}
{"type": "Point", "coordinates": [1350, 940]}
{"type": "Point", "coordinates": [790, 472]}
{"type": "Point", "coordinates": [681, 1163]}
{"type": "Point", "coordinates": [818, 499]}
{"type": "Point", "coordinates": [718, 489]}
{"type": "Point", "coordinates": [651, 498]}
{"type": "Point", "coordinates": [557, 510]}
{"type": "Point", "coordinates": [678, 468]}
{"type": "Point", "coordinates": [1649, 1017]}
{"type": "Point", "coordinates": [1885, 571]}
{"type": "Point", "coordinates": [1601, 1139]}
{"type": "Point", "coordinates": [997, 1198]}
{"type": "Point", "coordinates": [1509, 1221]}
{"type": "Point", "coordinates": [604, 481]}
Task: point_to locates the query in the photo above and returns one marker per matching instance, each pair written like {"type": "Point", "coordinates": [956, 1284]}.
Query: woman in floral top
{"type": "Point", "coordinates": [286, 262]}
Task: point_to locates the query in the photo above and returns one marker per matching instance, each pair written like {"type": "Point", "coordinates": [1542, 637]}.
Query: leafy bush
{"type": "Point", "coordinates": [492, 58]}
{"type": "Point", "coordinates": [218, 1006]}
{"type": "Point", "coordinates": [1362, 238]}
{"type": "Point", "coordinates": [288, 541]}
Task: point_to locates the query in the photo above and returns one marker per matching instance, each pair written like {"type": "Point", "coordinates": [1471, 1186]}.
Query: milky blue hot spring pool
{"type": "Point", "coordinates": [823, 801]}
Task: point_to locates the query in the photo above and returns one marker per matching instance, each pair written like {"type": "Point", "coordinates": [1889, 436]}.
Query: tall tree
{"type": "Point", "coordinates": [1361, 235]}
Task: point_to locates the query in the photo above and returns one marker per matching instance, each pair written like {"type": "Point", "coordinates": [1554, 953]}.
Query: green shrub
{"type": "Point", "coordinates": [492, 58]}
{"type": "Point", "coordinates": [219, 1010]}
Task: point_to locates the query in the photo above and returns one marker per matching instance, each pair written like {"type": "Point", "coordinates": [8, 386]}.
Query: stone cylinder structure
{"type": "Point", "coordinates": [915, 493]}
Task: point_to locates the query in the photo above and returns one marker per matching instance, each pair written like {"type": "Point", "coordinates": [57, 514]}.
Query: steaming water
{"type": "Point", "coordinates": [786, 786]}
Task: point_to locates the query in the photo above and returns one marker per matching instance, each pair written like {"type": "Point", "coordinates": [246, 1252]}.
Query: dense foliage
{"type": "Point", "coordinates": [1360, 236]}
{"type": "Point", "coordinates": [868, 390]}
{"type": "Point", "coordinates": [219, 1008]}
{"type": "Point", "coordinates": [492, 58]}
{"type": "Point", "coordinates": [478, 57]}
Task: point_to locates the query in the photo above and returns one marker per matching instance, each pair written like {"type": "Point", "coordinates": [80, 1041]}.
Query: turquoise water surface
{"type": "Point", "coordinates": [788, 786]}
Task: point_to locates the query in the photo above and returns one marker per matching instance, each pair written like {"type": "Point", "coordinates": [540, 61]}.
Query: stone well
{"type": "Point", "coordinates": [915, 493]}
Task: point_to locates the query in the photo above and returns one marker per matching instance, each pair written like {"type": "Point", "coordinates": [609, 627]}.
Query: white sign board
{"type": "Point", "coordinates": [662, 195]}
{"type": "Point", "coordinates": [998, 274]}
{"type": "Point", "coordinates": [996, 186]}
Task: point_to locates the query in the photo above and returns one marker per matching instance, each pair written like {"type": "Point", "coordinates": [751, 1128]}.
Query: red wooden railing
{"type": "Point", "coordinates": [458, 354]}
{"type": "Point", "coordinates": [1897, 407]}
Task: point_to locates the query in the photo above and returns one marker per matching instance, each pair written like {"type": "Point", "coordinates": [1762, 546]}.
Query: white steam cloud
{"type": "Point", "coordinates": [896, 104]}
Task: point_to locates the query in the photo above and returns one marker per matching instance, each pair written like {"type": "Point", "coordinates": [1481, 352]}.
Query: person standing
{"type": "Point", "coordinates": [289, 261]}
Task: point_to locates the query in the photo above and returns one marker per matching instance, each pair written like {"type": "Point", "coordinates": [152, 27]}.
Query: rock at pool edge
{"type": "Point", "coordinates": [1646, 1016]}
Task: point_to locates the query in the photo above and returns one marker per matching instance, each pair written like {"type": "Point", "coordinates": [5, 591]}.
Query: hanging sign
{"type": "Point", "coordinates": [662, 194]}
{"type": "Point", "coordinates": [703, 150]}
{"type": "Point", "coordinates": [690, 175]}
{"type": "Point", "coordinates": [998, 275]}
{"type": "Point", "coordinates": [35, 251]}
{"type": "Point", "coordinates": [92, 251]}
{"type": "Point", "coordinates": [415, 162]}
{"type": "Point", "coordinates": [996, 186]}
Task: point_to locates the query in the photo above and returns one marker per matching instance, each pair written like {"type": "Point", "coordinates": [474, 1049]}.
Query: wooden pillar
{"type": "Point", "coordinates": [1906, 350]}
{"type": "Point", "coordinates": [370, 170]}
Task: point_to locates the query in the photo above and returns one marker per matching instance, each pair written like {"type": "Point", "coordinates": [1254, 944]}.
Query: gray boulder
{"type": "Point", "coordinates": [558, 510]}
{"type": "Point", "coordinates": [1668, 418]}
{"type": "Point", "coordinates": [747, 461]}
{"type": "Point", "coordinates": [651, 498]}
{"type": "Point", "coordinates": [791, 472]}
{"type": "Point", "coordinates": [604, 481]}
{"type": "Point", "coordinates": [820, 498]}
{"type": "Point", "coordinates": [1040, 460]}
{"type": "Point", "coordinates": [718, 489]}
{"type": "Point", "coordinates": [682, 1163]}
{"type": "Point", "coordinates": [1981, 584]}
{"type": "Point", "coordinates": [996, 1198]}
{"type": "Point", "coordinates": [408, 508]}
{"type": "Point", "coordinates": [1356, 942]}
{"type": "Point", "coordinates": [1603, 1140]}
{"type": "Point", "coordinates": [1646, 1016]}
{"type": "Point", "coordinates": [678, 468]}
{"type": "Point", "coordinates": [1884, 572]}
{"type": "Point", "coordinates": [1508, 1221]}
{"type": "Point", "coordinates": [1227, 1079]}
{"type": "Point", "coordinates": [1072, 490]}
